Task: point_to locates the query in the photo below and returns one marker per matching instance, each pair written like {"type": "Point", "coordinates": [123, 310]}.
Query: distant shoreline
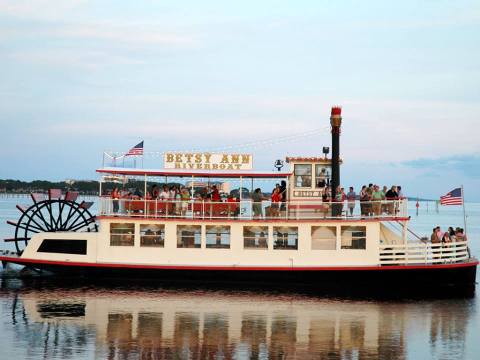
{"type": "Point", "coordinates": [84, 187]}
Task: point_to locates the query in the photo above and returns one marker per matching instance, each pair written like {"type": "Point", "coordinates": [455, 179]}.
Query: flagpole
{"type": "Point", "coordinates": [464, 214]}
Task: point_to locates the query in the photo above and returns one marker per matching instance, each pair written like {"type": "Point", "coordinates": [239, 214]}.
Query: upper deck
{"type": "Point", "coordinates": [247, 210]}
{"type": "Point", "coordinates": [242, 193]}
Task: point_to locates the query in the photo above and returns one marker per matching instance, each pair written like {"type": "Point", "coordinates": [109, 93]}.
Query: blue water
{"type": "Point", "coordinates": [44, 319]}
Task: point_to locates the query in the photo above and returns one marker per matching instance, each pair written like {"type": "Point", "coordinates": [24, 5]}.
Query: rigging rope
{"type": "Point", "coordinates": [263, 143]}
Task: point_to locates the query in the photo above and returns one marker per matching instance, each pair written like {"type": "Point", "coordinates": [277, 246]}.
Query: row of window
{"type": "Point", "coordinates": [303, 175]}
{"type": "Point", "coordinates": [254, 237]}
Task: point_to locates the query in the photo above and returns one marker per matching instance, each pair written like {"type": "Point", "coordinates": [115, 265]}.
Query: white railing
{"type": "Point", "coordinates": [423, 253]}
{"type": "Point", "coordinates": [246, 209]}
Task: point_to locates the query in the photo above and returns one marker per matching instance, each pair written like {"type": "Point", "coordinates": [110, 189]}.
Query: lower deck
{"type": "Point", "coordinates": [241, 245]}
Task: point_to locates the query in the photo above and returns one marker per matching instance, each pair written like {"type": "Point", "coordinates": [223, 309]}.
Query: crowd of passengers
{"type": "Point", "coordinates": [371, 199]}
{"type": "Point", "coordinates": [451, 235]}
{"type": "Point", "coordinates": [177, 197]}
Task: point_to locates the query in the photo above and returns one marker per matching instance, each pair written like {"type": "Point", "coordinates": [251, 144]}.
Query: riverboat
{"type": "Point", "coordinates": [301, 240]}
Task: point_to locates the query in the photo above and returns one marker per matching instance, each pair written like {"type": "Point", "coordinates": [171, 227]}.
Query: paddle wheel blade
{"type": "Point", "coordinates": [16, 239]}
{"type": "Point", "coordinates": [37, 197]}
{"type": "Point", "coordinates": [21, 208]}
{"type": "Point", "coordinates": [71, 195]}
{"type": "Point", "coordinates": [86, 205]}
{"type": "Point", "coordinates": [54, 194]}
{"type": "Point", "coordinates": [11, 222]}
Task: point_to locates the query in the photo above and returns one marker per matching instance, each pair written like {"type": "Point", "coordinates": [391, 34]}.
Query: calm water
{"type": "Point", "coordinates": [45, 319]}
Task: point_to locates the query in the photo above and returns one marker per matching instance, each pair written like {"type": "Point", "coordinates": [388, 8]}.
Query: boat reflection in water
{"type": "Point", "coordinates": [164, 324]}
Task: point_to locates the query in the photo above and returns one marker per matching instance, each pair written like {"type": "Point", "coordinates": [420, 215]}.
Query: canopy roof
{"type": "Point", "coordinates": [194, 173]}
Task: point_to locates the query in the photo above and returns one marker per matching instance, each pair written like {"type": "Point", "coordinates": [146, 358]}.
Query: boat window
{"type": "Point", "coordinates": [285, 237]}
{"type": "Point", "coordinates": [122, 234]}
{"type": "Point", "coordinates": [255, 237]}
{"type": "Point", "coordinates": [303, 175]}
{"type": "Point", "coordinates": [60, 246]}
{"type": "Point", "coordinates": [322, 176]}
{"type": "Point", "coordinates": [218, 236]}
{"type": "Point", "coordinates": [354, 237]}
{"type": "Point", "coordinates": [152, 235]}
{"type": "Point", "coordinates": [189, 236]}
{"type": "Point", "coordinates": [324, 237]}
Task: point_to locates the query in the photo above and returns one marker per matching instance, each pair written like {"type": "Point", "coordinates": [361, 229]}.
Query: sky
{"type": "Point", "coordinates": [80, 77]}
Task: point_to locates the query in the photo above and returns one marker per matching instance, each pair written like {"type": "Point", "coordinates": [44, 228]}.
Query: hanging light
{"type": "Point", "coordinates": [278, 164]}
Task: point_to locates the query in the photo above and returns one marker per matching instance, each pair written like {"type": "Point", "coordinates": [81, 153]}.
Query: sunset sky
{"type": "Point", "coordinates": [80, 77]}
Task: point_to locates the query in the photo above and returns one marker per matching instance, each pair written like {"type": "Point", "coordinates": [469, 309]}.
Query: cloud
{"type": "Point", "coordinates": [469, 165]}
{"type": "Point", "coordinates": [127, 33]}
{"type": "Point", "coordinates": [39, 9]}
{"type": "Point", "coordinates": [73, 58]}
{"type": "Point", "coordinates": [139, 34]}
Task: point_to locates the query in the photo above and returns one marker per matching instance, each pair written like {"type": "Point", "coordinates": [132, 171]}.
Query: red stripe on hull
{"type": "Point", "coordinates": [24, 261]}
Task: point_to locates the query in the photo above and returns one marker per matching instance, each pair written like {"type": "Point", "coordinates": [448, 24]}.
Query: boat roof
{"type": "Point", "coordinates": [194, 173]}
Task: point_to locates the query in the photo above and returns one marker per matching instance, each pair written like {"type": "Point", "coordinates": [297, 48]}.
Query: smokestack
{"type": "Point", "coordinates": [336, 123]}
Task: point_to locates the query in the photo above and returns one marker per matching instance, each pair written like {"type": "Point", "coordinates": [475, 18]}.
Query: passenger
{"type": "Point", "coordinates": [446, 237]}
{"type": "Point", "coordinates": [433, 237]}
{"type": "Point", "coordinates": [172, 194]}
{"type": "Point", "coordinates": [370, 204]}
{"type": "Point", "coordinates": [115, 196]}
{"type": "Point", "coordinates": [277, 186]}
{"type": "Point", "coordinates": [148, 196]}
{"type": "Point", "coordinates": [215, 194]}
{"type": "Point", "coordinates": [400, 193]}
{"type": "Point", "coordinates": [451, 231]}
{"type": "Point", "coordinates": [351, 197]}
{"type": "Point", "coordinates": [178, 203]}
{"type": "Point", "coordinates": [137, 193]}
{"type": "Point", "coordinates": [459, 235]}
{"type": "Point", "coordinates": [164, 194]}
{"type": "Point", "coordinates": [377, 197]}
{"type": "Point", "coordinates": [384, 205]}
{"type": "Point", "coordinates": [321, 179]}
{"type": "Point", "coordinates": [154, 192]}
{"type": "Point", "coordinates": [384, 190]}
{"type": "Point", "coordinates": [325, 204]}
{"type": "Point", "coordinates": [185, 197]}
{"type": "Point", "coordinates": [391, 195]}
{"type": "Point", "coordinates": [340, 197]}
{"type": "Point", "coordinates": [276, 198]}
{"type": "Point", "coordinates": [438, 233]}
{"type": "Point", "coordinates": [364, 198]}
{"type": "Point", "coordinates": [257, 198]}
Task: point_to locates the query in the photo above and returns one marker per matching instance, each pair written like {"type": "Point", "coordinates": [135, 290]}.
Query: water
{"type": "Point", "coordinates": [45, 319]}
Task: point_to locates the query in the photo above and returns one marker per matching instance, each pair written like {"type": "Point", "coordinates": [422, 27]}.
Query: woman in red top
{"type": "Point", "coordinates": [215, 195]}
{"type": "Point", "coordinates": [276, 198]}
{"type": "Point", "coordinates": [115, 196]}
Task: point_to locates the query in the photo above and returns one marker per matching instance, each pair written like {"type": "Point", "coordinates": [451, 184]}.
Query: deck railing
{"type": "Point", "coordinates": [423, 253]}
{"type": "Point", "coordinates": [247, 210]}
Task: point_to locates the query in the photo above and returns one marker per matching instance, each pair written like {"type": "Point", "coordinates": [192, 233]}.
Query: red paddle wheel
{"type": "Point", "coordinates": [52, 213]}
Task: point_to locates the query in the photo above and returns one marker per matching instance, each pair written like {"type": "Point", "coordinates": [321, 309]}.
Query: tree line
{"type": "Point", "coordinates": [86, 187]}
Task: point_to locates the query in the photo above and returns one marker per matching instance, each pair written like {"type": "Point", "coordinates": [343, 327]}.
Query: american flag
{"type": "Point", "coordinates": [454, 197]}
{"type": "Point", "coordinates": [136, 150]}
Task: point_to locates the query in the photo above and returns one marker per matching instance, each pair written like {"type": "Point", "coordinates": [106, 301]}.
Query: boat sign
{"type": "Point", "coordinates": [207, 161]}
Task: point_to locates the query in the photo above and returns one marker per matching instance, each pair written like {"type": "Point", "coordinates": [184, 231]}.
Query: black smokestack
{"type": "Point", "coordinates": [336, 123]}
